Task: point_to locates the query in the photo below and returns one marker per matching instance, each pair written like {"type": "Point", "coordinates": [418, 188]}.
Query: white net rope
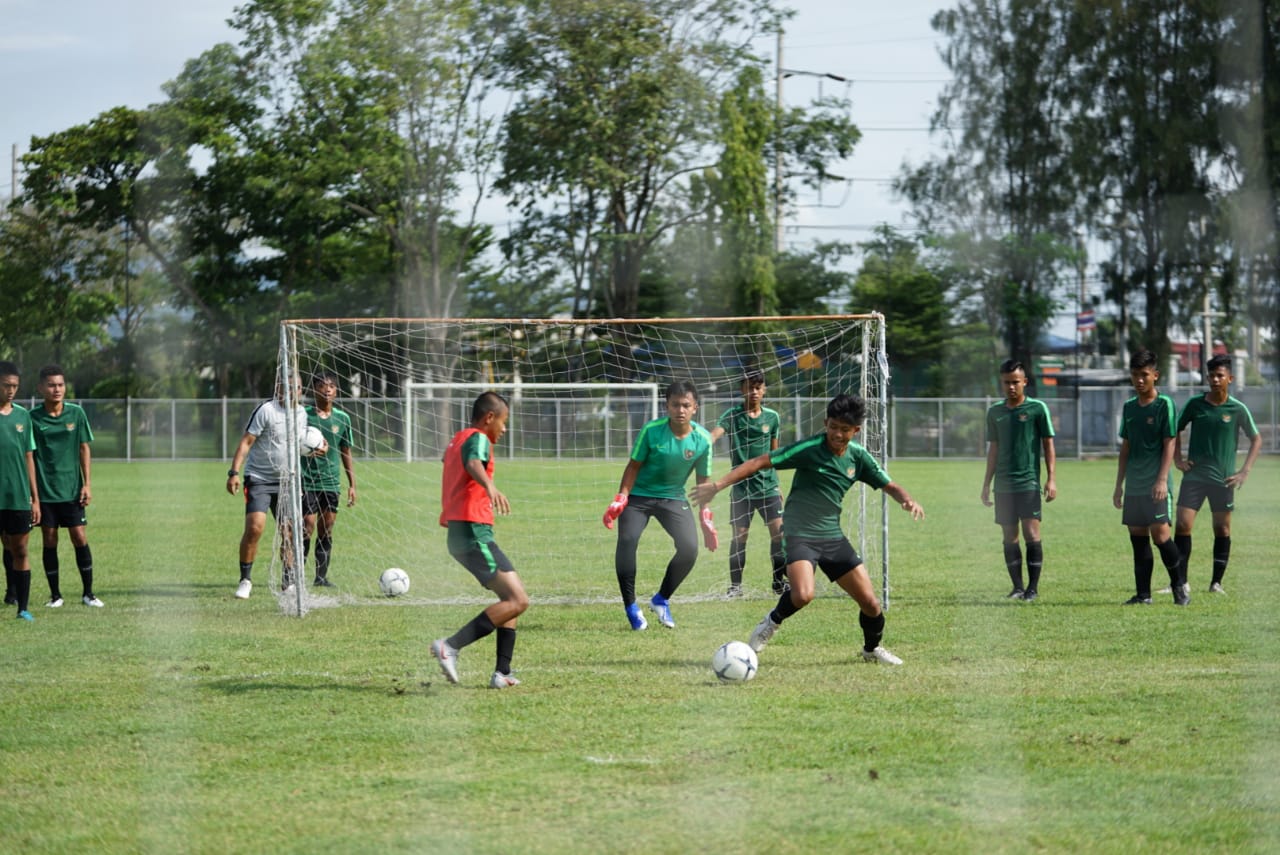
{"type": "Point", "coordinates": [579, 393]}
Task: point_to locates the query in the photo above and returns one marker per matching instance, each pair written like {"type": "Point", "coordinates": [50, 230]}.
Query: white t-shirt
{"type": "Point", "coordinates": [268, 458]}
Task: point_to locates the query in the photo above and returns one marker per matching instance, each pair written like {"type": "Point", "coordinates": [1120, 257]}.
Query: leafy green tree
{"type": "Point", "coordinates": [1004, 185]}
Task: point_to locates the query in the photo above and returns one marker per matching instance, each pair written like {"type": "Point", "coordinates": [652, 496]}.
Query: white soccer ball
{"type": "Point", "coordinates": [394, 582]}
{"type": "Point", "coordinates": [734, 662]}
{"type": "Point", "coordinates": [312, 441]}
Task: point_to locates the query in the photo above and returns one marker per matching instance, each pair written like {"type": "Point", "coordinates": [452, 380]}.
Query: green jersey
{"type": "Point", "coordinates": [812, 511]}
{"type": "Point", "coordinates": [1018, 433]}
{"type": "Point", "coordinates": [668, 460]}
{"type": "Point", "coordinates": [324, 474]}
{"type": "Point", "coordinates": [1147, 427]}
{"type": "Point", "coordinates": [58, 441]}
{"type": "Point", "coordinates": [16, 441]}
{"type": "Point", "coordinates": [750, 436]}
{"type": "Point", "coordinates": [1212, 448]}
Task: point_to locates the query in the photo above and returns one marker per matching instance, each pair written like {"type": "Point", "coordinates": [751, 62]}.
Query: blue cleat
{"type": "Point", "coordinates": [635, 617]}
{"type": "Point", "coordinates": [663, 611]}
{"type": "Point", "coordinates": [26, 615]}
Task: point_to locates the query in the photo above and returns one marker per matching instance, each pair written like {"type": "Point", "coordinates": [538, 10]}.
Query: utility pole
{"type": "Point", "coordinates": [777, 158]}
{"type": "Point", "coordinates": [1208, 335]}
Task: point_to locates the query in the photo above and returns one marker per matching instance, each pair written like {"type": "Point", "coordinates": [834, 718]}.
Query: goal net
{"type": "Point", "coordinates": [579, 393]}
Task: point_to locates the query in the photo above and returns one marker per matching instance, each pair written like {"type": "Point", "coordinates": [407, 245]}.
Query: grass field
{"type": "Point", "coordinates": [178, 719]}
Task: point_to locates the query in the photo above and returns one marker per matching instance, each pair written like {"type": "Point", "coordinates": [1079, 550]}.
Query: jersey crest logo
{"type": "Point", "coordinates": [850, 471]}
{"type": "Point", "coordinates": [1151, 420]}
{"type": "Point", "coordinates": [1226, 418]}
{"type": "Point", "coordinates": [70, 428]}
{"type": "Point", "coordinates": [1022, 417]}
{"type": "Point", "coordinates": [764, 428]}
{"type": "Point", "coordinates": [688, 454]}
{"type": "Point", "coordinates": [19, 428]}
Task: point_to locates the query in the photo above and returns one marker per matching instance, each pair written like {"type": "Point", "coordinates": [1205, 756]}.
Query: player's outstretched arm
{"type": "Point", "coordinates": [703, 492]}
{"type": "Point", "coordinates": [899, 494]}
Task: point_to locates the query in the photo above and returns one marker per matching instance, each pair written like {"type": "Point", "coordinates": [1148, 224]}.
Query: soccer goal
{"type": "Point", "coordinates": [579, 392]}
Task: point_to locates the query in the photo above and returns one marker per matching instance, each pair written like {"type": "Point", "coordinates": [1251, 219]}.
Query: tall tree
{"type": "Point", "coordinates": [1004, 179]}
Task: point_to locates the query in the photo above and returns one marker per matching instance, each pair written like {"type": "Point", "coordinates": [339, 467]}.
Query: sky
{"type": "Point", "coordinates": [66, 61]}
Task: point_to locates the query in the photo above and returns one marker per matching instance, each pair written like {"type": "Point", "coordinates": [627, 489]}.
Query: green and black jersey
{"type": "Point", "coordinates": [58, 440]}
{"type": "Point", "coordinates": [1018, 433]}
{"type": "Point", "coordinates": [812, 510]}
{"type": "Point", "coordinates": [16, 440]}
{"type": "Point", "coordinates": [324, 474]}
{"type": "Point", "coordinates": [751, 436]}
{"type": "Point", "coordinates": [1147, 427]}
{"type": "Point", "coordinates": [1212, 447]}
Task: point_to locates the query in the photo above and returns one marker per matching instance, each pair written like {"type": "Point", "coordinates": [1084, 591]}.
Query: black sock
{"type": "Point", "coordinates": [1013, 561]}
{"type": "Point", "coordinates": [324, 550]}
{"type": "Point", "coordinates": [84, 563]}
{"type": "Point", "coordinates": [49, 557]}
{"type": "Point", "coordinates": [1143, 563]}
{"type": "Point", "coordinates": [1221, 554]}
{"type": "Point", "coordinates": [872, 630]}
{"type": "Point", "coordinates": [506, 646]}
{"type": "Point", "coordinates": [1035, 560]}
{"type": "Point", "coordinates": [737, 558]}
{"type": "Point", "coordinates": [784, 609]}
{"type": "Point", "coordinates": [1183, 542]}
{"type": "Point", "coordinates": [476, 628]}
{"type": "Point", "coordinates": [1172, 559]}
{"type": "Point", "coordinates": [246, 567]}
{"type": "Point", "coordinates": [22, 582]}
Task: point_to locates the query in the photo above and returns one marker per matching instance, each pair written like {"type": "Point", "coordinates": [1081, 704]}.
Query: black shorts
{"type": "Point", "coordinates": [742, 510]}
{"type": "Point", "coordinates": [1193, 493]}
{"type": "Point", "coordinates": [1142, 510]}
{"type": "Point", "coordinates": [61, 515]}
{"type": "Point", "coordinates": [836, 557]}
{"type": "Point", "coordinates": [472, 546]}
{"type": "Point", "coordinates": [1013, 507]}
{"type": "Point", "coordinates": [319, 501]}
{"type": "Point", "coordinates": [259, 497]}
{"type": "Point", "coordinates": [15, 522]}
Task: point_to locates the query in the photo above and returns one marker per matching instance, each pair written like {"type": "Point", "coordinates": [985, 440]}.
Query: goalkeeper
{"type": "Point", "coordinates": [653, 484]}
{"type": "Point", "coordinates": [826, 465]}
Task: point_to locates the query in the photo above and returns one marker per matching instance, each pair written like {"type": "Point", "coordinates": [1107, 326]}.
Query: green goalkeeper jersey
{"type": "Point", "coordinates": [1214, 428]}
{"type": "Point", "coordinates": [1147, 427]}
{"type": "Point", "coordinates": [668, 460]}
{"type": "Point", "coordinates": [324, 474]}
{"type": "Point", "coordinates": [1018, 433]}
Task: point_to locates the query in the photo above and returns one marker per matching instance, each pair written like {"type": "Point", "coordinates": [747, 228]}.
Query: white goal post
{"type": "Point", "coordinates": [579, 391]}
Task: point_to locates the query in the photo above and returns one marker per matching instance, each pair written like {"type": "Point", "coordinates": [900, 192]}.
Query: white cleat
{"type": "Point", "coordinates": [762, 633]}
{"type": "Point", "coordinates": [880, 655]}
{"type": "Point", "coordinates": [244, 589]}
{"type": "Point", "coordinates": [92, 601]}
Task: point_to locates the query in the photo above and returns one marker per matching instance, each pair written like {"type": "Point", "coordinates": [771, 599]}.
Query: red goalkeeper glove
{"type": "Point", "coordinates": [709, 537]}
{"type": "Point", "coordinates": [615, 509]}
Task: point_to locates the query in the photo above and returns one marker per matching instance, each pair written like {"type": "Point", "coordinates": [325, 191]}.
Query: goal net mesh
{"type": "Point", "coordinates": [579, 392]}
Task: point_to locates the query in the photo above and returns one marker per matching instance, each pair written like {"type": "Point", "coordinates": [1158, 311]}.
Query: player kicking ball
{"type": "Point", "coordinates": [470, 498]}
{"type": "Point", "coordinates": [826, 465]}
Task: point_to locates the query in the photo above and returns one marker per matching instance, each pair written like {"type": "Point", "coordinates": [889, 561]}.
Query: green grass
{"type": "Point", "coordinates": [178, 719]}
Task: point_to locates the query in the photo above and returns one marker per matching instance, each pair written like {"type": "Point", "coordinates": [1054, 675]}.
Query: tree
{"type": "Point", "coordinates": [912, 298]}
{"type": "Point", "coordinates": [1004, 180]}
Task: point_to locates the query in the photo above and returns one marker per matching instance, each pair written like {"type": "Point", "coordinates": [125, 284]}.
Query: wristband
{"type": "Point", "coordinates": [231, 473]}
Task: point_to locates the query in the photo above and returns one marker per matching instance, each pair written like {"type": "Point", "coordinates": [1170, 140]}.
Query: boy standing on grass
{"type": "Point", "coordinates": [1018, 430]}
{"type": "Point", "coordinates": [666, 451]}
{"type": "Point", "coordinates": [62, 435]}
{"type": "Point", "coordinates": [19, 493]}
{"type": "Point", "coordinates": [320, 477]}
{"type": "Point", "coordinates": [1209, 470]}
{"type": "Point", "coordinates": [469, 499]}
{"type": "Point", "coordinates": [1144, 480]}
{"type": "Point", "coordinates": [826, 465]}
{"type": "Point", "coordinates": [753, 430]}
